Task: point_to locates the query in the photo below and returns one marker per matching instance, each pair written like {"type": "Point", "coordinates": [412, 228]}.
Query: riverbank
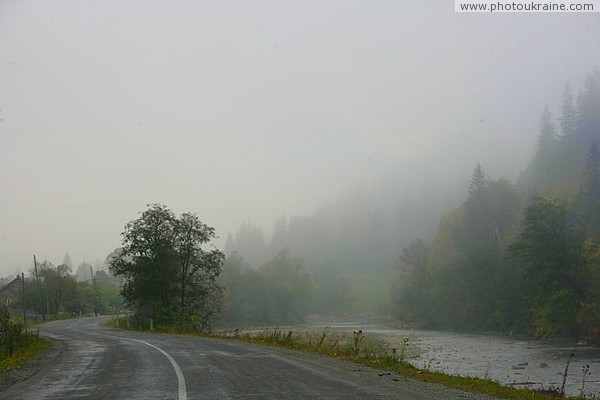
{"type": "Point", "coordinates": [517, 361]}
{"type": "Point", "coordinates": [371, 352]}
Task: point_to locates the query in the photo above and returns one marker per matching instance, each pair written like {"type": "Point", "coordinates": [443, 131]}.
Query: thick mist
{"type": "Point", "coordinates": [244, 111]}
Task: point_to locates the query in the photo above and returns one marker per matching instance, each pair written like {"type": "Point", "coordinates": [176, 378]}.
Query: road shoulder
{"type": "Point", "coordinates": [32, 366]}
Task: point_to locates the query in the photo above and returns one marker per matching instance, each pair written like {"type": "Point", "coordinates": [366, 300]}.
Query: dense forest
{"type": "Point", "coordinates": [520, 257]}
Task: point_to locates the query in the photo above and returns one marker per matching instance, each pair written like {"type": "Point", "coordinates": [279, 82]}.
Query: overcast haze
{"type": "Point", "coordinates": [242, 110]}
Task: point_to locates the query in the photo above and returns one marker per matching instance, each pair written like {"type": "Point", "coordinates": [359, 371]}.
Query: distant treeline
{"type": "Point", "coordinates": [360, 230]}
{"type": "Point", "coordinates": [524, 258]}
{"type": "Point", "coordinates": [55, 291]}
{"type": "Point", "coordinates": [279, 292]}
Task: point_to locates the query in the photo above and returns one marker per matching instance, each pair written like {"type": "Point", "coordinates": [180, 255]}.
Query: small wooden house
{"type": "Point", "coordinates": [11, 292]}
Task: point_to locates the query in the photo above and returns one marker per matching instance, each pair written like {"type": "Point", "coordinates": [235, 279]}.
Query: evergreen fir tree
{"type": "Point", "coordinates": [568, 118]}
{"type": "Point", "coordinates": [477, 181]}
{"type": "Point", "coordinates": [588, 109]}
{"type": "Point", "coordinates": [547, 136]}
{"type": "Point", "coordinates": [545, 157]}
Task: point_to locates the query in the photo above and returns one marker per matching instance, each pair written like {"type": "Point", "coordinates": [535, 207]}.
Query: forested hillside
{"type": "Point", "coordinates": [521, 258]}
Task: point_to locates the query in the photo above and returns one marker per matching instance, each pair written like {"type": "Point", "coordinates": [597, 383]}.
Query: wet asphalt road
{"type": "Point", "coordinates": [104, 363]}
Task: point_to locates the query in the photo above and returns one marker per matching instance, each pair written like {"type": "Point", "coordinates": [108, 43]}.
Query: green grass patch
{"type": "Point", "coordinates": [470, 384]}
{"type": "Point", "coordinates": [369, 292]}
{"type": "Point", "coordinates": [34, 346]}
{"type": "Point", "coordinates": [30, 323]}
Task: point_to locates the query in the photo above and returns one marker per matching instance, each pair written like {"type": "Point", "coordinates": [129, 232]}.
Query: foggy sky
{"type": "Point", "coordinates": [244, 110]}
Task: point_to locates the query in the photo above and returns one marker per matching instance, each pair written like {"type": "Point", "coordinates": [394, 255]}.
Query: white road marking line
{"type": "Point", "coordinates": [182, 392]}
{"type": "Point", "coordinates": [180, 379]}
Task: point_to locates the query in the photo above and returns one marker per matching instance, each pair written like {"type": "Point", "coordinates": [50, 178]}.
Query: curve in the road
{"type": "Point", "coordinates": [102, 363]}
{"type": "Point", "coordinates": [182, 389]}
{"type": "Point", "coordinates": [182, 394]}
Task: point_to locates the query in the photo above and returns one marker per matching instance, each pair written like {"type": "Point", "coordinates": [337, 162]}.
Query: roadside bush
{"type": "Point", "coordinates": [13, 337]}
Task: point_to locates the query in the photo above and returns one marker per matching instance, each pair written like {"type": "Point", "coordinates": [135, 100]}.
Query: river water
{"type": "Point", "coordinates": [508, 360]}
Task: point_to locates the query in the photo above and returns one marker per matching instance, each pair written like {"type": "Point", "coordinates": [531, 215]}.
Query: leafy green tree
{"type": "Point", "coordinates": [292, 286]}
{"type": "Point", "coordinates": [549, 248]}
{"type": "Point", "coordinates": [168, 274]}
{"type": "Point", "coordinates": [280, 292]}
{"type": "Point", "coordinates": [148, 264]}
{"type": "Point", "coordinates": [199, 269]}
{"type": "Point", "coordinates": [54, 292]}
{"type": "Point", "coordinates": [234, 282]}
{"type": "Point", "coordinates": [449, 301]}
{"type": "Point", "coordinates": [59, 282]}
{"type": "Point", "coordinates": [412, 291]}
{"type": "Point", "coordinates": [588, 204]}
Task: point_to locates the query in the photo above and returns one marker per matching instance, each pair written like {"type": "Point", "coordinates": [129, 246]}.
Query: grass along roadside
{"type": "Point", "coordinates": [30, 350]}
{"type": "Point", "coordinates": [367, 351]}
{"type": "Point", "coordinates": [18, 343]}
{"type": "Point", "coordinates": [371, 352]}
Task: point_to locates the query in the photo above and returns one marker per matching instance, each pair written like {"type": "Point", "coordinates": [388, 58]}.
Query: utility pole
{"type": "Point", "coordinates": [23, 300]}
{"type": "Point", "coordinates": [37, 278]}
{"type": "Point", "coordinates": [38, 289]}
{"type": "Point", "coordinates": [57, 295]}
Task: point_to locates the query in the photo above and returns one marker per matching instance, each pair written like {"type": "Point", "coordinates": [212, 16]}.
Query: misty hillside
{"type": "Point", "coordinates": [468, 265]}
{"type": "Point", "coordinates": [368, 224]}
